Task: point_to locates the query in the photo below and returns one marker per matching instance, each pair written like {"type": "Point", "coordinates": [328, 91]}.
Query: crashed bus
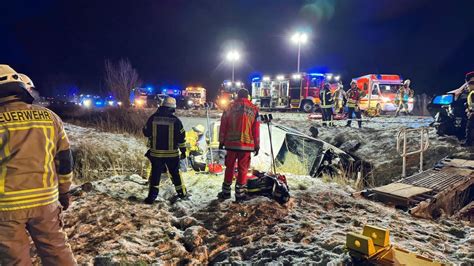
{"type": "Point", "coordinates": [380, 93]}
{"type": "Point", "coordinates": [299, 91]}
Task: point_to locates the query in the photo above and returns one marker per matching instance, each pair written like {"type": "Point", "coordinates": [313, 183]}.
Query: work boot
{"type": "Point", "coordinates": [180, 197]}
{"type": "Point", "coordinates": [152, 195]}
{"type": "Point", "coordinates": [225, 193]}
{"type": "Point", "coordinates": [241, 193]}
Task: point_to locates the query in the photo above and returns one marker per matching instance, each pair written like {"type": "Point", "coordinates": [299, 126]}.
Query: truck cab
{"type": "Point", "coordinates": [195, 95]}
{"type": "Point", "coordinates": [380, 93]}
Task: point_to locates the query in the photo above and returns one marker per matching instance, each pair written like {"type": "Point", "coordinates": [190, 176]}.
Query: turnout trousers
{"type": "Point", "coordinates": [44, 225]}
{"type": "Point", "coordinates": [157, 167]}
{"type": "Point", "coordinates": [243, 163]}
{"type": "Point", "coordinates": [327, 116]}
{"type": "Point", "coordinates": [350, 115]}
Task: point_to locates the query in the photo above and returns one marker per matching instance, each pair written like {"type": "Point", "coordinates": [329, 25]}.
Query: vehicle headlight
{"type": "Point", "coordinates": [223, 102]}
{"type": "Point", "coordinates": [139, 102]}
{"type": "Point", "coordinates": [87, 103]}
{"type": "Point", "coordinates": [190, 102]}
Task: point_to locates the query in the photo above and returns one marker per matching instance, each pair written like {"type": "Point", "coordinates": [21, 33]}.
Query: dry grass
{"type": "Point", "coordinates": [115, 120]}
{"type": "Point", "coordinates": [93, 163]}
{"type": "Point", "coordinates": [292, 164]}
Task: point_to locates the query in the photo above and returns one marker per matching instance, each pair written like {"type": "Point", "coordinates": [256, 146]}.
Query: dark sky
{"type": "Point", "coordinates": [65, 43]}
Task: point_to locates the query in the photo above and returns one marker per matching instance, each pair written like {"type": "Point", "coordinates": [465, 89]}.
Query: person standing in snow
{"type": "Point", "coordinates": [239, 135]}
{"type": "Point", "coordinates": [339, 96]}
{"type": "Point", "coordinates": [403, 95]}
{"type": "Point", "coordinates": [167, 140]}
{"type": "Point", "coordinates": [353, 100]}
{"type": "Point", "coordinates": [35, 177]}
{"type": "Point", "coordinates": [470, 110]}
{"type": "Point", "coordinates": [192, 137]}
{"type": "Point", "coordinates": [326, 105]}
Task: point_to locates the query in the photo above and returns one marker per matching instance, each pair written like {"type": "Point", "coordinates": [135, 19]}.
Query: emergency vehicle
{"type": "Point", "coordinates": [380, 93]}
{"type": "Point", "coordinates": [299, 91]}
{"type": "Point", "coordinates": [196, 96]}
{"type": "Point", "coordinates": [227, 93]}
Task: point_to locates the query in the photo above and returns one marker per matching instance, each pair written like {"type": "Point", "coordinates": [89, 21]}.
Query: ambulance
{"type": "Point", "coordinates": [380, 93]}
{"type": "Point", "coordinates": [196, 96]}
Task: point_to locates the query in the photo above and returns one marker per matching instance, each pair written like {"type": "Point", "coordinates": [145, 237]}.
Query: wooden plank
{"type": "Point", "coordinates": [460, 163]}
{"type": "Point", "coordinates": [402, 190]}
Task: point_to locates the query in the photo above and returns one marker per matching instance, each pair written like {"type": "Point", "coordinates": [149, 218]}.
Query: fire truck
{"type": "Point", "coordinates": [299, 91]}
{"type": "Point", "coordinates": [380, 93]}
{"type": "Point", "coordinates": [196, 96]}
{"type": "Point", "coordinates": [227, 93]}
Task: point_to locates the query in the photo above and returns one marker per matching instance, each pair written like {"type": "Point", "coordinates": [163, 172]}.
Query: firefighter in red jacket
{"type": "Point", "coordinates": [353, 99]}
{"type": "Point", "coordinates": [239, 135]}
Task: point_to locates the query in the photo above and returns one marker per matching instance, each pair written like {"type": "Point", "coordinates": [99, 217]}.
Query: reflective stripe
{"type": "Point", "coordinates": [65, 178]}
{"type": "Point", "coordinates": [4, 153]}
{"type": "Point", "coordinates": [46, 158]}
{"type": "Point", "coordinates": [29, 123]}
{"type": "Point", "coordinates": [170, 136]}
{"type": "Point", "coordinates": [469, 100]}
{"type": "Point", "coordinates": [14, 208]}
{"type": "Point", "coordinates": [51, 158]}
{"type": "Point", "coordinates": [27, 203]}
{"type": "Point", "coordinates": [36, 195]}
{"type": "Point", "coordinates": [29, 191]}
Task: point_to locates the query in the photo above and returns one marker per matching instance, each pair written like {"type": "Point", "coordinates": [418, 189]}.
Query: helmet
{"type": "Point", "coordinates": [27, 81]}
{"type": "Point", "coordinates": [353, 82]}
{"type": "Point", "coordinates": [12, 84]}
{"type": "Point", "coordinates": [469, 76]}
{"type": "Point", "coordinates": [169, 102]}
{"type": "Point", "coordinates": [199, 129]}
{"type": "Point", "coordinates": [406, 82]}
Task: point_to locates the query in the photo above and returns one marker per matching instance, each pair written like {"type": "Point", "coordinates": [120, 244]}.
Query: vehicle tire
{"type": "Point", "coordinates": [307, 106]}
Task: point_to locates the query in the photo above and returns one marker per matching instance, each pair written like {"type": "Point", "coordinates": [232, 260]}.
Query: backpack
{"type": "Point", "coordinates": [269, 185]}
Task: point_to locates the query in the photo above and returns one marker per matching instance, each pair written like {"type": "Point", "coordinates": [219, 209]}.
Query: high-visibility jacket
{"type": "Point", "coordinates": [353, 97]}
{"type": "Point", "coordinates": [240, 128]}
{"type": "Point", "coordinates": [404, 94]}
{"type": "Point", "coordinates": [192, 142]}
{"type": "Point", "coordinates": [166, 134]}
{"type": "Point", "coordinates": [35, 157]}
{"type": "Point", "coordinates": [326, 98]}
{"type": "Point", "coordinates": [470, 101]}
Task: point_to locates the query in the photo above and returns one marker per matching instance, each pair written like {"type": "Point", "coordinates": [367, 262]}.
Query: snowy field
{"type": "Point", "coordinates": [111, 223]}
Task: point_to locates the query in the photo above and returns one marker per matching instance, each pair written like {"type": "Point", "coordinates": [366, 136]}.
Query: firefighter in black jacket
{"type": "Point", "coordinates": [167, 139]}
{"type": "Point", "coordinates": [327, 103]}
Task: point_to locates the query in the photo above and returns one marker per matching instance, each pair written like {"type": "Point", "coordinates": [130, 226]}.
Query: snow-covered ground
{"type": "Point", "coordinates": [111, 222]}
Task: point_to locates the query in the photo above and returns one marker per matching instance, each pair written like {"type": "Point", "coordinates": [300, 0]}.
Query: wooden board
{"type": "Point", "coordinates": [460, 163]}
{"type": "Point", "coordinates": [402, 190]}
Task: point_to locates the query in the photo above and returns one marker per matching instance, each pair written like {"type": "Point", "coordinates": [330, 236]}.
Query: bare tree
{"type": "Point", "coordinates": [120, 79]}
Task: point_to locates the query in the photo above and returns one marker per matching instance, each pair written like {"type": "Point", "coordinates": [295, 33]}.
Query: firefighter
{"type": "Point", "coordinates": [470, 110]}
{"type": "Point", "coordinates": [339, 97]}
{"type": "Point", "coordinates": [192, 137]}
{"type": "Point", "coordinates": [353, 99]}
{"type": "Point", "coordinates": [239, 135]}
{"type": "Point", "coordinates": [167, 140]}
{"type": "Point", "coordinates": [35, 177]}
{"type": "Point", "coordinates": [326, 104]}
{"type": "Point", "coordinates": [403, 95]}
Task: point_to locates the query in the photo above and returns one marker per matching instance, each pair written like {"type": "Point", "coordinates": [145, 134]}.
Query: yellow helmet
{"type": "Point", "coordinates": [199, 129]}
{"type": "Point", "coordinates": [8, 74]}
{"type": "Point", "coordinates": [169, 102]}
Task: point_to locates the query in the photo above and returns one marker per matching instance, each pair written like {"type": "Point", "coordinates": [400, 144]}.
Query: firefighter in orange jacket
{"type": "Point", "coordinates": [167, 138]}
{"type": "Point", "coordinates": [36, 173]}
{"type": "Point", "coordinates": [239, 135]}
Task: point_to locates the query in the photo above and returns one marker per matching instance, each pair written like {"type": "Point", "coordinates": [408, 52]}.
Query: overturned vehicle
{"type": "Point", "coordinates": [294, 153]}
{"type": "Point", "coordinates": [449, 114]}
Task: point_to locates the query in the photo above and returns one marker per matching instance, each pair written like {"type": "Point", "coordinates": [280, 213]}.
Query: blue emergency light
{"type": "Point", "coordinates": [443, 99]}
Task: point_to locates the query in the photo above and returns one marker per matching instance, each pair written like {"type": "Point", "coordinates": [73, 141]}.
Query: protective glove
{"type": "Point", "coordinates": [257, 149]}
{"type": "Point", "coordinates": [65, 200]}
{"type": "Point", "coordinates": [183, 154]}
{"type": "Point", "coordinates": [221, 146]}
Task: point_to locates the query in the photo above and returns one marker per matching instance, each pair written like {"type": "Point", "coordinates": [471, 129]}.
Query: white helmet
{"type": "Point", "coordinates": [12, 84]}
{"type": "Point", "coordinates": [169, 102]}
{"type": "Point", "coordinates": [407, 82]}
{"type": "Point", "coordinates": [27, 81]}
{"type": "Point", "coordinates": [199, 129]}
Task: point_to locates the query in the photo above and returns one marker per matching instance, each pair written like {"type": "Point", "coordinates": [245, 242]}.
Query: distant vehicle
{"type": "Point", "coordinates": [299, 91]}
{"type": "Point", "coordinates": [380, 92]}
{"type": "Point", "coordinates": [449, 114]}
{"type": "Point", "coordinates": [197, 96]}
{"type": "Point", "coordinates": [227, 93]}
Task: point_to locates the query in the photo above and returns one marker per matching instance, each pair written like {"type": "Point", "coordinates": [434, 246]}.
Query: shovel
{"type": "Point", "coordinates": [214, 168]}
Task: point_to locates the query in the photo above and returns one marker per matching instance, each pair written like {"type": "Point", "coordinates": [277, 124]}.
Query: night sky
{"type": "Point", "coordinates": [63, 44]}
